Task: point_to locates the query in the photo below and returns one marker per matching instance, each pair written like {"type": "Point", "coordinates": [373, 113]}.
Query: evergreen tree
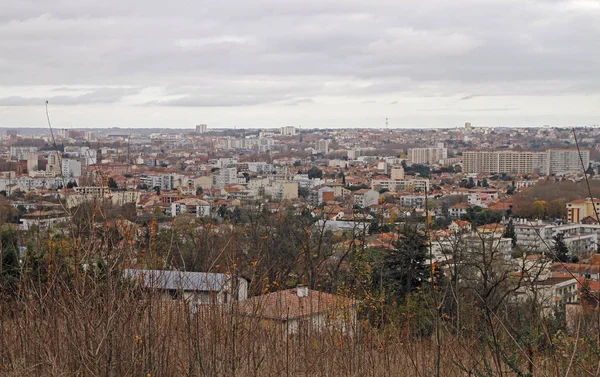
{"type": "Point", "coordinates": [10, 262]}
{"type": "Point", "coordinates": [471, 183]}
{"type": "Point", "coordinates": [405, 269]}
{"type": "Point", "coordinates": [561, 251]}
{"type": "Point", "coordinates": [590, 170]}
{"type": "Point", "coordinates": [315, 172]}
{"type": "Point", "coordinates": [510, 233]}
{"type": "Point", "coordinates": [112, 184]}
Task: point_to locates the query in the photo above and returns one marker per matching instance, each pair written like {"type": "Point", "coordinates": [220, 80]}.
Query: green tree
{"type": "Point", "coordinates": [561, 251]}
{"type": "Point", "coordinates": [404, 269]}
{"type": "Point", "coordinates": [590, 170]}
{"type": "Point", "coordinates": [471, 183]}
{"type": "Point", "coordinates": [10, 268]}
{"type": "Point", "coordinates": [112, 184]}
{"type": "Point", "coordinates": [510, 233]}
{"type": "Point", "coordinates": [315, 172]}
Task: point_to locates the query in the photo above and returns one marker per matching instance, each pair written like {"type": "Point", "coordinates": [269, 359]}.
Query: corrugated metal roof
{"type": "Point", "coordinates": [178, 280]}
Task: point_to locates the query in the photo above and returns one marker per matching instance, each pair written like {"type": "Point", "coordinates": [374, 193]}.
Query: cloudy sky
{"type": "Point", "coordinates": [314, 63]}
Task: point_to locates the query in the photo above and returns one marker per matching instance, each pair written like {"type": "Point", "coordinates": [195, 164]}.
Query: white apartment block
{"type": "Point", "coordinates": [201, 128]}
{"type": "Point", "coordinates": [28, 183]}
{"type": "Point", "coordinates": [288, 131]}
{"type": "Point", "coordinates": [401, 184]}
{"type": "Point", "coordinates": [580, 239]}
{"type": "Point", "coordinates": [397, 173]}
{"type": "Point", "coordinates": [365, 198]}
{"type": "Point", "coordinates": [412, 201]}
{"type": "Point", "coordinates": [322, 146]}
{"type": "Point", "coordinates": [353, 154]}
{"type": "Point", "coordinates": [32, 162]}
{"type": "Point", "coordinates": [567, 161]}
{"type": "Point", "coordinates": [165, 182]}
{"type": "Point", "coordinates": [70, 168]}
{"type": "Point", "coordinates": [226, 176]}
{"type": "Point", "coordinates": [226, 162]}
{"type": "Point", "coordinates": [427, 155]}
{"type": "Point", "coordinates": [21, 153]}
{"type": "Point", "coordinates": [86, 155]}
{"type": "Point", "coordinates": [552, 161]}
{"type": "Point", "coordinates": [192, 206]}
{"type": "Point", "coordinates": [282, 190]}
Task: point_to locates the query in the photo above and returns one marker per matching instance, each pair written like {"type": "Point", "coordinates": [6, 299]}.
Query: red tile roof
{"type": "Point", "coordinates": [284, 305]}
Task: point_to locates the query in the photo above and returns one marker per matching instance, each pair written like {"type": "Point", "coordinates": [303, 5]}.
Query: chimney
{"type": "Point", "coordinates": [302, 291]}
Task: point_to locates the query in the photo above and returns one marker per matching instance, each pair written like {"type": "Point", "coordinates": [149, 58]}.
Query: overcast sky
{"type": "Point", "coordinates": [314, 63]}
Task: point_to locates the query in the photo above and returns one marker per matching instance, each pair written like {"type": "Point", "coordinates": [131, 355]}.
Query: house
{"type": "Point", "coordinates": [321, 194]}
{"type": "Point", "coordinates": [578, 210]}
{"type": "Point", "coordinates": [365, 198]}
{"type": "Point", "coordinates": [194, 287]}
{"type": "Point", "coordinates": [482, 197]}
{"type": "Point", "coordinates": [44, 219]}
{"type": "Point", "coordinates": [302, 309]}
{"type": "Point", "coordinates": [460, 226]}
{"type": "Point", "coordinates": [554, 291]}
{"type": "Point", "coordinates": [457, 210]}
{"type": "Point", "coordinates": [193, 206]}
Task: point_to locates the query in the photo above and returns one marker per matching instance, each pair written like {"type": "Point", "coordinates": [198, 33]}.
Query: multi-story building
{"type": "Point", "coordinates": [567, 161]}
{"type": "Point", "coordinates": [401, 184]}
{"type": "Point", "coordinates": [412, 201]}
{"type": "Point", "coordinates": [192, 206]}
{"type": "Point", "coordinates": [397, 173]}
{"type": "Point", "coordinates": [70, 168]}
{"type": "Point", "coordinates": [225, 176]}
{"type": "Point", "coordinates": [427, 155]}
{"type": "Point", "coordinates": [322, 146]}
{"type": "Point", "coordinates": [86, 155]}
{"type": "Point", "coordinates": [513, 162]}
{"type": "Point", "coordinates": [201, 128]}
{"type": "Point", "coordinates": [29, 183]}
{"type": "Point", "coordinates": [282, 190]}
{"type": "Point", "coordinates": [321, 194]}
{"type": "Point", "coordinates": [21, 153]}
{"type": "Point", "coordinates": [32, 162]}
{"type": "Point", "coordinates": [288, 130]}
{"type": "Point", "coordinates": [578, 210]}
{"type": "Point", "coordinates": [365, 198]}
{"type": "Point", "coordinates": [353, 154]}
{"type": "Point", "coordinates": [552, 161]}
{"type": "Point", "coordinates": [165, 182]}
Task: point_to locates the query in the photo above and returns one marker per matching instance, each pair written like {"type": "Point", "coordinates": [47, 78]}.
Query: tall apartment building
{"type": "Point", "coordinates": [32, 162]}
{"type": "Point", "coordinates": [21, 153]}
{"type": "Point", "coordinates": [427, 155]}
{"type": "Point", "coordinates": [288, 130]}
{"type": "Point", "coordinates": [565, 161]}
{"type": "Point", "coordinates": [353, 154]}
{"type": "Point", "coordinates": [553, 161]}
{"type": "Point", "coordinates": [397, 173]}
{"type": "Point", "coordinates": [70, 168]}
{"type": "Point", "coordinates": [165, 182]}
{"type": "Point", "coordinates": [86, 155]}
{"type": "Point", "coordinates": [54, 164]}
{"type": "Point", "coordinates": [201, 128]}
{"type": "Point", "coordinates": [322, 146]}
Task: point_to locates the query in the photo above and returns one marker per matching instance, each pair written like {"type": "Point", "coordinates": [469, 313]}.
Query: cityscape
{"type": "Point", "coordinates": [357, 199]}
{"type": "Point", "coordinates": [325, 188]}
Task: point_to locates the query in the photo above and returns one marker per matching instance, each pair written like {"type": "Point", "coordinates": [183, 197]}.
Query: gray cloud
{"type": "Point", "coordinates": [97, 96]}
{"type": "Point", "coordinates": [270, 52]}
